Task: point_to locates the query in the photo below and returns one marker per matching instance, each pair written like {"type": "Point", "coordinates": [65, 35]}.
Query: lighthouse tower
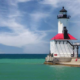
{"type": "Point", "coordinates": [60, 45]}
{"type": "Point", "coordinates": [62, 20]}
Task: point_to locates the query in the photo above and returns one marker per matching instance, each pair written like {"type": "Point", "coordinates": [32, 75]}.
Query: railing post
{"type": "Point", "coordinates": [73, 51]}
{"type": "Point", "coordinates": [77, 51]}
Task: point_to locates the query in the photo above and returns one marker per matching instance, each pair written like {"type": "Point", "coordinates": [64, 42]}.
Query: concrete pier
{"type": "Point", "coordinates": [75, 62]}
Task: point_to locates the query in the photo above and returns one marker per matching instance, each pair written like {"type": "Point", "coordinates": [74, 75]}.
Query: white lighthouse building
{"type": "Point", "coordinates": [61, 45]}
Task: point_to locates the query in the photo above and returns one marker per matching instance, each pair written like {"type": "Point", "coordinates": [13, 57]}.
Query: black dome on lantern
{"type": "Point", "coordinates": [63, 10]}
{"type": "Point", "coordinates": [63, 14]}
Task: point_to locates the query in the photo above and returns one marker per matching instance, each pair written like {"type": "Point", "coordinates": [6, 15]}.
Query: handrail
{"type": "Point", "coordinates": [75, 44]}
{"type": "Point", "coordinates": [70, 43]}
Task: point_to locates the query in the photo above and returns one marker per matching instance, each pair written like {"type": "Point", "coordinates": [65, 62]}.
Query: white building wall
{"type": "Point", "coordinates": [61, 24]}
{"type": "Point", "coordinates": [52, 47]}
{"type": "Point", "coordinates": [61, 49]}
{"type": "Point", "coordinates": [67, 49]}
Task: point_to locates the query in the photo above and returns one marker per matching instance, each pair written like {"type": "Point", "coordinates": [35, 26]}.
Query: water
{"type": "Point", "coordinates": [31, 67]}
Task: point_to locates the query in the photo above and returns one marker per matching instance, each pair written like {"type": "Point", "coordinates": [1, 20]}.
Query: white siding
{"type": "Point", "coordinates": [61, 49]}
{"type": "Point", "coordinates": [52, 47]}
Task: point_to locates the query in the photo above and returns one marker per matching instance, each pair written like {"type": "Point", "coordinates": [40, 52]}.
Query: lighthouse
{"type": "Point", "coordinates": [61, 44]}
{"type": "Point", "coordinates": [62, 50]}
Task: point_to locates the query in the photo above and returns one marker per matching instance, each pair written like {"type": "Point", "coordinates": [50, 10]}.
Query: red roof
{"type": "Point", "coordinates": [60, 36]}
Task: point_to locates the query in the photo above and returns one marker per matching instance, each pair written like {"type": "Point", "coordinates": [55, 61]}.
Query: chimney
{"type": "Point", "coordinates": [65, 33]}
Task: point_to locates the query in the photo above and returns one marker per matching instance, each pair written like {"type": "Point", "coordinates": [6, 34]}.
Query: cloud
{"type": "Point", "coordinates": [29, 36]}
{"type": "Point", "coordinates": [18, 40]}
{"type": "Point", "coordinates": [38, 48]}
{"type": "Point", "coordinates": [21, 35]}
{"type": "Point", "coordinates": [50, 2]}
{"type": "Point", "coordinates": [36, 16]}
{"type": "Point", "coordinates": [23, 0]}
{"type": "Point", "coordinates": [15, 2]}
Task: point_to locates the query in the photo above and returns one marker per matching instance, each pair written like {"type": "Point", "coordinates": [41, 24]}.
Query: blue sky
{"type": "Point", "coordinates": [26, 26]}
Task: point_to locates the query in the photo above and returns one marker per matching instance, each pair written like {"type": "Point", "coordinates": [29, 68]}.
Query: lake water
{"type": "Point", "coordinates": [31, 67]}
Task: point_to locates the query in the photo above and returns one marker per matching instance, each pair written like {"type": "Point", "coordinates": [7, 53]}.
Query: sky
{"type": "Point", "coordinates": [26, 26]}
